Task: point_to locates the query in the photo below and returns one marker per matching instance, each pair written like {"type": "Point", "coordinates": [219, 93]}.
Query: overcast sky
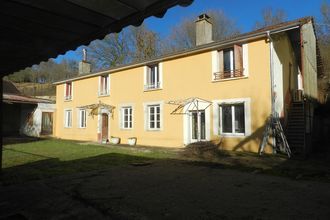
{"type": "Point", "coordinates": [244, 12]}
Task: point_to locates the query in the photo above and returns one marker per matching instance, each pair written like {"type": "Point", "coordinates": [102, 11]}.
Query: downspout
{"type": "Point", "coordinates": [271, 51]}
{"type": "Point", "coordinates": [271, 74]}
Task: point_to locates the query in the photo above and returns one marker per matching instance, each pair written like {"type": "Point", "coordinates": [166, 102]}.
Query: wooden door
{"type": "Point", "coordinates": [47, 123]}
{"type": "Point", "coordinates": [105, 126]}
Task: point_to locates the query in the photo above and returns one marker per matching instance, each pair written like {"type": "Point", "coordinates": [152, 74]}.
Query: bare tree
{"type": "Point", "coordinates": [270, 16]}
{"type": "Point", "coordinates": [183, 35]}
{"type": "Point", "coordinates": [323, 31]}
{"type": "Point", "coordinates": [144, 43]}
{"type": "Point", "coordinates": [113, 50]}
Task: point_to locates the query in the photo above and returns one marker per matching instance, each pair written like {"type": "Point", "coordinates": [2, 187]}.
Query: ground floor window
{"type": "Point", "coordinates": [232, 118]}
{"type": "Point", "coordinates": [127, 117]}
{"type": "Point", "coordinates": [68, 118]}
{"type": "Point", "coordinates": [82, 118]}
{"type": "Point", "coordinates": [153, 117]}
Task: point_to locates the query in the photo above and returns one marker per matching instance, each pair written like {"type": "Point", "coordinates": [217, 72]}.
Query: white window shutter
{"type": "Point", "coordinates": [145, 112]}
{"type": "Point", "coordinates": [215, 63]}
{"type": "Point", "coordinates": [245, 60]}
{"type": "Point", "coordinates": [216, 117]}
{"type": "Point", "coordinates": [160, 69]}
{"type": "Point", "coordinates": [145, 70]}
{"type": "Point", "coordinates": [120, 117]}
{"type": "Point", "coordinates": [108, 89]}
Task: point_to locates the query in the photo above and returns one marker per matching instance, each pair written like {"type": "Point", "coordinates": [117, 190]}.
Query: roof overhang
{"type": "Point", "coordinates": [243, 38]}
{"type": "Point", "coordinates": [15, 98]}
{"type": "Point", "coordinates": [35, 30]}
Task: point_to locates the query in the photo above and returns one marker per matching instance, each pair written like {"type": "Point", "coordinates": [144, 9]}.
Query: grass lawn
{"type": "Point", "coordinates": [48, 158]}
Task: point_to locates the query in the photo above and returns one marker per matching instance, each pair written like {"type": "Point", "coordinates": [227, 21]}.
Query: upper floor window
{"type": "Point", "coordinates": [104, 88]}
{"type": "Point", "coordinates": [127, 117]}
{"type": "Point", "coordinates": [68, 118]}
{"type": "Point", "coordinates": [68, 91]}
{"type": "Point", "coordinates": [230, 62]}
{"type": "Point", "coordinates": [152, 77]}
{"type": "Point", "coordinates": [82, 118]}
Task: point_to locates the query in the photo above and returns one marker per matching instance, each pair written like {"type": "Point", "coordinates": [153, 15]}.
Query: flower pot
{"type": "Point", "coordinates": [114, 140]}
{"type": "Point", "coordinates": [132, 141]}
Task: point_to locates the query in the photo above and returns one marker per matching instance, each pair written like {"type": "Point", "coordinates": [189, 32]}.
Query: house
{"type": "Point", "coordinates": [217, 90]}
{"type": "Point", "coordinates": [25, 115]}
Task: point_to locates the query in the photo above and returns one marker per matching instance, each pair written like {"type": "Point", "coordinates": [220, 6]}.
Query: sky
{"type": "Point", "coordinates": [244, 12]}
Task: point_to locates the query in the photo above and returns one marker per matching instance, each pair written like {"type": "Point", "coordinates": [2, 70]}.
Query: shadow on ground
{"type": "Point", "coordinates": [51, 167]}
{"type": "Point", "coordinates": [19, 140]}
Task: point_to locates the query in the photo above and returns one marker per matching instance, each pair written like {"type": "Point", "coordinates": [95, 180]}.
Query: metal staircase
{"type": "Point", "coordinates": [295, 130]}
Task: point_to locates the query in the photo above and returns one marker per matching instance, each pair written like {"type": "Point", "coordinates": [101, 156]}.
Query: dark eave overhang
{"type": "Point", "coordinates": [36, 30]}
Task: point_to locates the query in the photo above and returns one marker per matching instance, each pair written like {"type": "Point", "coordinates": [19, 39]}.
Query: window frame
{"type": "Point", "coordinates": [231, 60]}
{"type": "Point", "coordinates": [155, 121]}
{"type": "Point", "coordinates": [105, 92]}
{"type": "Point", "coordinates": [217, 116]}
{"type": "Point", "coordinates": [80, 112]}
{"type": "Point", "coordinates": [218, 55]}
{"type": "Point", "coordinates": [66, 96]}
{"type": "Point", "coordinates": [67, 124]}
{"type": "Point", "coordinates": [148, 85]}
{"type": "Point", "coordinates": [147, 116]}
{"type": "Point", "coordinates": [130, 115]}
{"type": "Point", "coordinates": [233, 117]}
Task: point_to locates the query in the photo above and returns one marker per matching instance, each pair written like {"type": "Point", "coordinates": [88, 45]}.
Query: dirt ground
{"type": "Point", "coordinates": [166, 189]}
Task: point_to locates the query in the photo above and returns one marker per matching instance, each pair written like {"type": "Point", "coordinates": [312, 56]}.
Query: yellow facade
{"type": "Point", "coordinates": [182, 77]}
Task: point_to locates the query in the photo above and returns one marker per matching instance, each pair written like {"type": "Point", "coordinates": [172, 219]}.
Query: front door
{"type": "Point", "coordinates": [47, 123]}
{"type": "Point", "coordinates": [197, 125]}
{"type": "Point", "coordinates": [105, 126]}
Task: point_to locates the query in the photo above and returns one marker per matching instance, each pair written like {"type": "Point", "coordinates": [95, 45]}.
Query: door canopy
{"type": "Point", "coordinates": [184, 106]}
{"type": "Point", "coordinates": [96, 107]}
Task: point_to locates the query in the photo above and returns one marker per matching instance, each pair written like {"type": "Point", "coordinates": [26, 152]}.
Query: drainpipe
{"type": "Point", "coordinates": [271, 74]}
{"type": "Point", "coordinates": [271, 50]}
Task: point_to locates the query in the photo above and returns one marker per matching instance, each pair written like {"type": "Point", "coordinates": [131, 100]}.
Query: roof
{"type": "Point", "coordinates": [12, 95]}
{"type": "Point", "coordinates": [35, 30]}
{"type": "Point", "coordinates": [259, 33]}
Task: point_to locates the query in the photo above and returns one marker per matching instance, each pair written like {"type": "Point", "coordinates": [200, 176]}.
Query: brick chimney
{"type": "Point", "coordinates": [84, 65]}
{"type": "Point", "coordinates": [203, 30]}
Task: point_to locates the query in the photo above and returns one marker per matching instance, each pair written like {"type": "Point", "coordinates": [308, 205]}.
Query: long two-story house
{"type": "Point", "coordinates": [217, 90]}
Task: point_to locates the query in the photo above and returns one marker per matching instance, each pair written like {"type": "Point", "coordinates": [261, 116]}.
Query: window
{"type": "Point", "coordinates": [68, 118]}
{"type": "Point", "coordinates": [153, 117]}
{"type": "Point", "coordinates": [126, 117]}
{"type": "Point", "coordinates": [228, 63]}
{"type": "Point", "coordinates": [152, 78]}
{"type": "Point", "coordinates": [68, 91]}
{"type": "Point", "coordinates": [232, 118]}
{"type": "Point", "coordinates": [104, 88]}
{"type": "Point", "coordinates": [82, 118]}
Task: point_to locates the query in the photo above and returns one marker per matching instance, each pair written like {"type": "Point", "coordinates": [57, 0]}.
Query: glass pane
{"type": "Point", "coordinates": [226, 60]}
{"type": "Point", "coordinates": [152, 110]}
{"type": "Point", "coordinates": [152, 124]}
{"type": "Point", "coordinates": [130, 124]}
{"type": "Point", "coordinates": [194, 126]}
{"type": "Point", "coordinates": [125, 118]}
{"type": "Point", "coordinates": [226, 119]}
{"type": "Point", "coordinates": [152, 117]}
{"type": "Point", "coordinates": [158, 109]}
{"type": "Point", "coordinates": [125, 124]}
{"type": "Point", "coordinates": [239, 119]}
{"type": "Point", "coordinates": [158, 117]}
{"type": "Point", "coordinates": [202, 115]}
